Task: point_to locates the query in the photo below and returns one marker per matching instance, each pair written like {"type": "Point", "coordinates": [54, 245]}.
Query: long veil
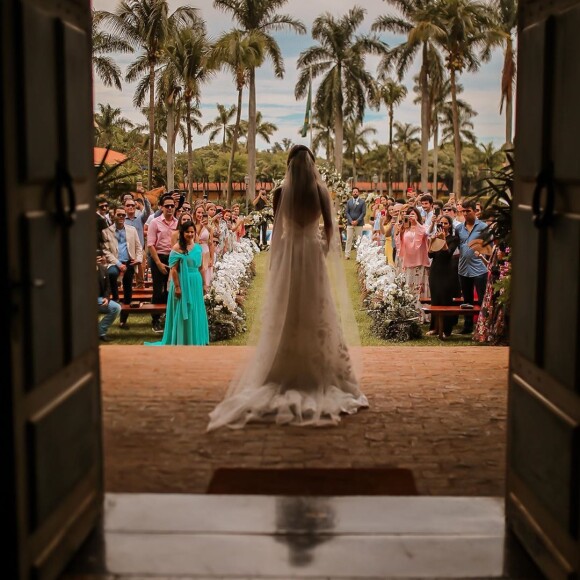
{"type": "Point", "coordinates": [301, 371]}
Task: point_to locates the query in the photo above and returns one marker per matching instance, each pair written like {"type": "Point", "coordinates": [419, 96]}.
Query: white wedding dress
{"type": "Point", "coordinates": [301, 372]}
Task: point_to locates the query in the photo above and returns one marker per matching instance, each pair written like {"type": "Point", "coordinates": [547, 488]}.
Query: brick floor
{"type": "Point", "coordinates": [439, 411]}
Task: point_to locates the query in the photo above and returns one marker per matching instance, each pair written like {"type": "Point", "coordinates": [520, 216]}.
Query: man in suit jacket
{"type": "Point", "coordinates": [123, 251]}
{"type": "Point", "coordinates": [355, 219]}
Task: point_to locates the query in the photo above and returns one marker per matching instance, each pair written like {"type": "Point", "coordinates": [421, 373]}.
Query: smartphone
{"type": "Point", "coordinates": [437, 210]}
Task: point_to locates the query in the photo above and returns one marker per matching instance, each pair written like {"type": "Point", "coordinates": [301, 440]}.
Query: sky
{"type": "Point", "coordinates": [275, 97]}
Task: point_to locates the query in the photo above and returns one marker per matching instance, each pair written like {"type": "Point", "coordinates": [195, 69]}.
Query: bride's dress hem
{"type": "Point", "coordinates": [267, 404]}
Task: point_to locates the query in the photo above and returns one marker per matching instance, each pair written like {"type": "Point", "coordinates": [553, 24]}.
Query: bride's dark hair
{"type": "Point", "coordinates": [295, 149]}
{"type": "Point", "coordinates": [300, 192]}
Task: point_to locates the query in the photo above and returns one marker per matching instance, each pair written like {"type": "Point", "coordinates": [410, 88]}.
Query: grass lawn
{"type": "Point", "coordinates": [140, 324]}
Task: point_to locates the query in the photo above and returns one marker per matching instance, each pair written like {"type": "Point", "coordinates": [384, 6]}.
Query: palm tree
{"type": "Point", "coordinates": [440, 99]}
{"type": "Point", "coordinates": [323, 136]}
{"type": "Point", "coordinates": [465, 114]}
{"type": "Point", "coordinates": [108, 121]}
{"type": "Point", "coordinates": [416, 23]}
{"type": "Point", "coordinates": [169, 91]}
{"type": "Point", "coordinates": [405, 138]}
{"type": "Point", "coordinates": [237, 52]}
{"type": "Point", "coordinates": [491, 158]}
{"type": "Point", "coordinates": [264, 129]}
{"type": "Point", "coordinates": [340, 56]}
{"type": "Point", "coordinates": [259, 18]}
{"type": "Point", "coordinates": [221, 125]}
{"type": "Point", "coordinates": [103, 44]}
{"type": "Point", "coordinates": [507, 17]}
{"type": "Point", "coordinates": [355, 140]}
{"type": "Point", "coordinates": [391, 94]}
{"type": "Point", "coordinates": [146, 25]}
{"type": "Point", "coordinates": [187, 53]}
{"type": "Point", "coordinates": [467, 33]}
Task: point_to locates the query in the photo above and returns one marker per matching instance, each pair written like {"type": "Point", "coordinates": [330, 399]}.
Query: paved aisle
{"type": "Point", "coordinates": [438, 411]}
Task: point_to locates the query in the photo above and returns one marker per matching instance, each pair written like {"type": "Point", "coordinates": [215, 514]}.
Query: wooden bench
{"type": "Point", "coordinates": [141, 295]}
{"type": "Point", "coordinates": [440, 312]}
{"type": "Point", "coordinates": [425, 300]}
{"type": "Point", "coordinates": [145, 308]}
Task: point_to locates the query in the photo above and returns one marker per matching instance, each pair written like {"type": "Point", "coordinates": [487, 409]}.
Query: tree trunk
{"type": "Point", "coordinates": [170, 144]}
{"type": "Point", "coordinates": [390, 155]}
{"type": "Point", "coordinates": [234, 147]}
{"type": "Point", "coordinates": [435, 158]}
{"type": "Point", "coordinates": [338, 139]}
{"type": "Point", "coordinates": [425, 121]}
{"type": "Point", "coordinates": [338, 131]}
{"type": "Point", "coordinates": [251, 189]}
{"type": "Point", "coordinates": [151, 125]}
{"type": "Point", "coordinates": [405, 178]}
{"type": "Point", "coordinates": [509, 111]}
{"type": "Point", "coordinates": [456, 137]}
{"type": "Point", "coordinates": [507, 87]}
{"type": "Point", "coordinates": [189, 153]}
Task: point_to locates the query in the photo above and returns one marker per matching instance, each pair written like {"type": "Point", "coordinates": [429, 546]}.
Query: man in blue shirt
{"type": "Point", "coordinates": [138, 218]}
{"type": "Point", "coordinates": [472, 269]}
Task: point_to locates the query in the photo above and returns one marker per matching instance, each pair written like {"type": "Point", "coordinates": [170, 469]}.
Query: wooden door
{"type": "Point", "coordinates": [543, 474]}
{"type": "Point", "coordinates": [50, 413]}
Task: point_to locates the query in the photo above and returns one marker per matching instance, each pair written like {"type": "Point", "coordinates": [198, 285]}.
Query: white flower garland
{"type": "Point", "coordinates": [231, 273]}
{"type": "Point", "coordinates": [390, 302]}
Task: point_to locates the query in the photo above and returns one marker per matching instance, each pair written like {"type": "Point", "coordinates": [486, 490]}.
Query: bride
{"type": "Point", "coordinates": [301, 372]}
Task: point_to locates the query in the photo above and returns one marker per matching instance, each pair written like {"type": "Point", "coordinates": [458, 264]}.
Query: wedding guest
{"type": "Point", "coordinates": [355, 219]}
{"type": "Point", "coordinates": [443, 277]}
{"type": "Point", "coordinates": [159, 245]}
{"type": "Point", "coordinates": [412, 250]}
{"type": "Point", "coordinates": [123, 252]}
{"type": "Point", "coordinates": [109, 308]}
{"type": "Point", "coordinates": [183, 217]}
{"type": "Point", "coordinates": [204, 237]}
{"type": "Point", "coordinates": [260, 202]}
{"type": "Point", "coordinates": [472, 270]}
{"type": "Point", "coordinates": [103, 211]}
{"type": "Point", "coordinates": [186, 317]}
{"type": "Point", "coordinates": [138, 218]}
{"type": "Point", "coordinates": [388, 230]}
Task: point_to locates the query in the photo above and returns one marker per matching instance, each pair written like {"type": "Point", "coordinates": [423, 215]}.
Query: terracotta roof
{"type": "Point", "coordinates": [113, 157]}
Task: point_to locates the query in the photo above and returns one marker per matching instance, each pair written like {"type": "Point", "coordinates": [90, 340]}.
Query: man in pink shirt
{"type": "Point", "coordinates": [159, 244]}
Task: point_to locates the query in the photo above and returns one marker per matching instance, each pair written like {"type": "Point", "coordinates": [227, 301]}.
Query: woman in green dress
{"type": "Point", "coordinates": [186, 318]}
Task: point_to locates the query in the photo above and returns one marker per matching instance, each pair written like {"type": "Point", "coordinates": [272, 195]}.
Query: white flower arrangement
{"type": "Point", "coordinates": [339, 189]}
{"type": "Point", "coordinates": [232, 275]}
{"type": "Point", "coordinates": [390, 302]}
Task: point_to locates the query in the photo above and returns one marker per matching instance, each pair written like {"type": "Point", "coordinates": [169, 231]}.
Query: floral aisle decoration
{"type": "Point", "coordinates": [233, 274]}
{"type": "Point", "coordinates": [390, 303]}
{"type": "Point", "coordinates": [496, 195]}
{"type": "Point", "coordinates": [339, 190]}
{"type": "Point", "coordinates": [257, 217]}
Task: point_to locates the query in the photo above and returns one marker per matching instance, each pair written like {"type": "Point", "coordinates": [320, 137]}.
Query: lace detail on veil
{"type": "Point", "coordinates": [301, 372]}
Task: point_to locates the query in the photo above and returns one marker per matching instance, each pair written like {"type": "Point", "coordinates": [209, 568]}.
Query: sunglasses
{"type": "Point", "coordinates": [129, 205]}
{"type": "Point", "coordinates": [103, 206]}
{"type": "Point", "coordinates": [170, 206]}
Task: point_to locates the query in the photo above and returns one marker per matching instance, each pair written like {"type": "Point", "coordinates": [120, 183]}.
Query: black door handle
{"type": "Point", "coordinates": [66, 213]}
{"type": "Point", "coordinates": [542, 217]}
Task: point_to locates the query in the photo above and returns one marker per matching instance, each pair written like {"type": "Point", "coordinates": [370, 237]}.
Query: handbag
{"type": "Point", "coordinates": [436, 244]}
